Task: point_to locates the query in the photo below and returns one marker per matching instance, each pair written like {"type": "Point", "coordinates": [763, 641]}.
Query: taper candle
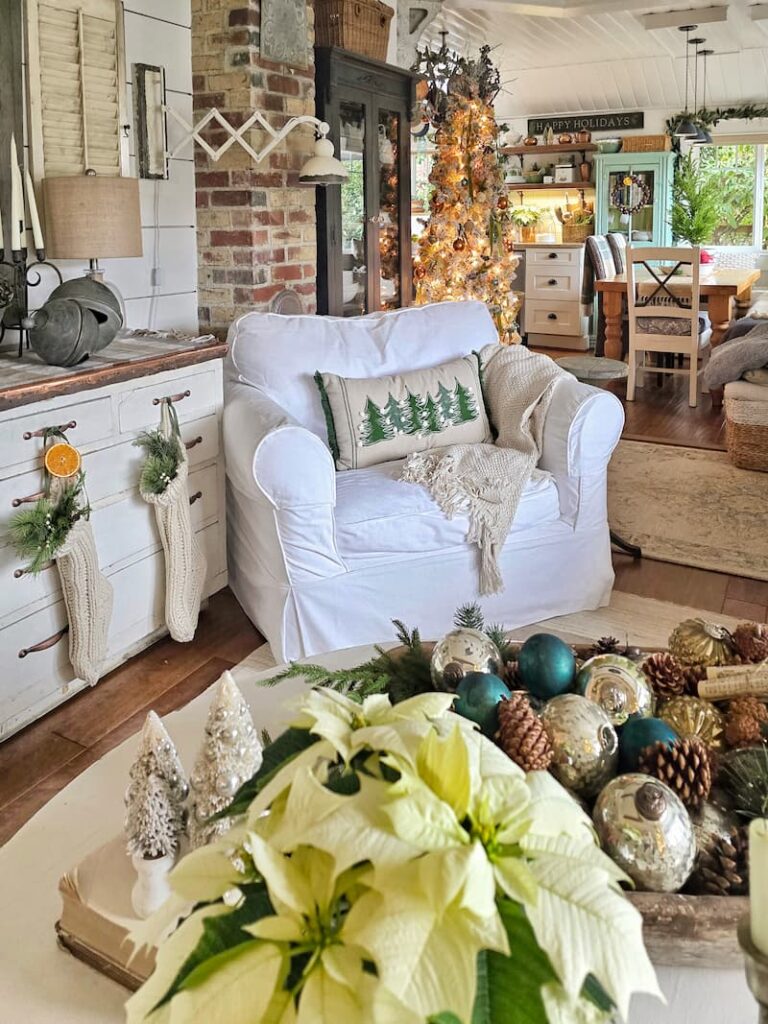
{"type": "Point", "coordinates": [34, 216]}
{"type": "Point", "coordinates": [758, 883]}
{"type": "Point", "coordinates": [17, 200]}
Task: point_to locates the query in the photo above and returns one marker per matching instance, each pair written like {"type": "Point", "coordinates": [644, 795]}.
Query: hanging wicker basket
{"type": "Point", "coordinates": [361, 26]}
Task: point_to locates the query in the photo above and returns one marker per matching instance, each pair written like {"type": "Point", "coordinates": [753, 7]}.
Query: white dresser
{"type": "Point", "coordinates": [553, 284]}
{"type": "Point", "coordinates": [102, 422]}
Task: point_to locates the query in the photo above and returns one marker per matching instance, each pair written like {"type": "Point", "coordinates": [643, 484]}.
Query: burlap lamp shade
{"type": "Point", "coordinates": [90, 217]}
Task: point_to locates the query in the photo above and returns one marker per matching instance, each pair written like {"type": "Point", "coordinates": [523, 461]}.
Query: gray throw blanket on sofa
{"type": "Point", "coordinates": [486, 481]}
{"type": "Point", "coordinates": [731, 360]}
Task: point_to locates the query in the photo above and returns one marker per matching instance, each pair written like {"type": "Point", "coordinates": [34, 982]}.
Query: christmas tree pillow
{"type": "Point", "coordinates": [380, 419]}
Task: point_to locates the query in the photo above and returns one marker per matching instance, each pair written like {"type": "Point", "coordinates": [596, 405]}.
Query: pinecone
{"type": "Point", "coordinates": [723, 870]}
{"type": "Point", "coordinates": [743, 731]}
{"type": "Point", "coordinates": [510, 673]}
{"type": "Point", "coordinates": [605, 645]}
{"type": "Point", "coordinates": [751, 641]}
{"type": "Point", "coordinates": [751, 706]}
{"type": "Point", "coordinates": [685, 767]}
{"type": "Point", "coordinates": [521, 734]}
{"type": "Point", "coordinates": [692, 676]}
{"type": "Point", "coordinates": [665, 674]}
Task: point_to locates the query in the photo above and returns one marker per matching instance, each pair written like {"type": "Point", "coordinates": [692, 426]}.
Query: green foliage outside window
{"type": "Point", "coordinates": [732, 169]}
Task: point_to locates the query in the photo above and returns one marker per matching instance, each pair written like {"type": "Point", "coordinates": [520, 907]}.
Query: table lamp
{"type": "Point", "coordinates": [89, 217]}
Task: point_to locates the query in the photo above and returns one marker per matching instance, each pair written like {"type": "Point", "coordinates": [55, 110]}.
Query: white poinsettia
{"type": "Point", "coordinates": [210, 871]}
{"type": "Point", "coordinates": [376, 724]}
{"type": "Point", "coordinates": [311, 899]}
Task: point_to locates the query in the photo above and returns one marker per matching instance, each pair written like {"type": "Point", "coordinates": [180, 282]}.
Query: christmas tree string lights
{"type": "Point", "coordinates": [465, 251]}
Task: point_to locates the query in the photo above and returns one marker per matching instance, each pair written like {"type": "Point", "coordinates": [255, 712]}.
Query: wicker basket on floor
{"type": "Point", "coordinates": [746, 433]}
{"type": "Point", "coordinates": [361, 26]}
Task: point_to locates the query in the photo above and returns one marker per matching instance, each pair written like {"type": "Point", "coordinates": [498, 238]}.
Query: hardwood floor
{"type": "Point", "coordinates": [662, 414]}
{"type": "Point", "coordinates": [44, 758]}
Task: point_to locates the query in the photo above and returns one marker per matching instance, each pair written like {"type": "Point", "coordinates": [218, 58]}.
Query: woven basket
{"type": "Point", "coordinates": [577, 232]}
{"type": "Point", "coordinates": [746, 433]}
{"type": "Point", "coordinates": [646, 144]}
{"type": "Point", "coordinates": [360, 26]}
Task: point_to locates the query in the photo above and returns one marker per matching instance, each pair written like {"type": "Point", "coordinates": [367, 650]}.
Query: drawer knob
{"type": "Point", "coordinates": [553, 255]}
{"type": "Point", "coordinates": [29, 434]}
{"type": "Point", "coordinates": [28, 499]}
{"type": "Point", "coordinates": [189, 445]}
{"type": "Point", "coordinates": [195, 497]}
{"type": "Point", "coordinates": [551, 316]}
{"type": "Point", "coordinates": [46, 644]}
{"type": "Point", "coordinates": [552, 281]}
{"type": "Point", "coordinates": [172, 398]}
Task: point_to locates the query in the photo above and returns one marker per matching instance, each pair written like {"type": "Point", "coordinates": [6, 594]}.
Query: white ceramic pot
{"type": "Point", "coordinates": [151, 889]}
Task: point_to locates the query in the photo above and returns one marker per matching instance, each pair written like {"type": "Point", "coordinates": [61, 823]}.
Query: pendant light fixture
{"type": "Point", "coordinates": [687, 129]}
{"type": "Point", "coordinates": [695, 42]}
{"type": "Point", "coordinates": [707, 137]}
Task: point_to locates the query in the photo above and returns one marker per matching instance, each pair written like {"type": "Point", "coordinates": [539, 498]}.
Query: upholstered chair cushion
{"type": "Point", "coordinates": [618, 244]}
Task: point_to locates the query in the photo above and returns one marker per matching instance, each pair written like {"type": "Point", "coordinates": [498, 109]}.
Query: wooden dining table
{"type": "Point", "coordinates": [720, 288]}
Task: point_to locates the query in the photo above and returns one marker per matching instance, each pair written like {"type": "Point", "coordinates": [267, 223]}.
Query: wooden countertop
{"type": "Point", "coordinates": [29, 380]}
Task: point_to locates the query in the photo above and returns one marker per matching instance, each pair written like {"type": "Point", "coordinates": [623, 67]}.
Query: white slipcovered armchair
{"type": "Point", "coordinates": [322, 560]}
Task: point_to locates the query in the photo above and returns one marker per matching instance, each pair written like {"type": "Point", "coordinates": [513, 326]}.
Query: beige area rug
{"type": "Point", "coordinates": [640, 621]}
{"type": "Point", "coordinates": [690, 506]}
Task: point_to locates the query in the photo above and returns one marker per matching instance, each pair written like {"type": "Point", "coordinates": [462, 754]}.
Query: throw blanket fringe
{"type": "Point", "coordinates": [485, 482]}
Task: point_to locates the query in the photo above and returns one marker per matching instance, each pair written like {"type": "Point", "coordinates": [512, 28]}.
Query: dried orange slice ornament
{"type": "Point", "coordinates": [62, 460]}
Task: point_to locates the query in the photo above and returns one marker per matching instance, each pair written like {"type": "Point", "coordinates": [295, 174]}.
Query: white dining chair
{"type": "Point", "coordinates": [664, 315]}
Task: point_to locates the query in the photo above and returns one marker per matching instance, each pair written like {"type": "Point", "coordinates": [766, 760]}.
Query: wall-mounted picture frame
{"type": "Point", "coordinates": [150, 122]}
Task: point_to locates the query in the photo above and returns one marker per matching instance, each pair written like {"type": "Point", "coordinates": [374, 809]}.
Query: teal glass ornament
{"type": "Point", "coordinates": [547, 665]}
{"type": "Point", "coordinates": [478, 695]}
{"type": "Point", "coordinates": [639, 733]}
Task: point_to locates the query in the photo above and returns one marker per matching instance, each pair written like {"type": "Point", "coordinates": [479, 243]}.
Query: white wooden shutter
{"type": "Point", "coordinates": [76, 85]}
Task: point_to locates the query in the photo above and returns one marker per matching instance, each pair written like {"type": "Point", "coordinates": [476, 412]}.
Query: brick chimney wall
{"type": "Point", "coordinates": [255, 223]}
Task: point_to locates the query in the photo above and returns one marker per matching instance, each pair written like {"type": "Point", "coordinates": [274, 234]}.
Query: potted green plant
{"type": "Point", "coordinates": [524, 218]}
{"type": "Point", "coordinates": [696, 205]}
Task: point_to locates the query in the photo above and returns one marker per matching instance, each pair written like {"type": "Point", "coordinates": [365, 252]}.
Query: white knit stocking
{"type": "Point", "coordinates": [88, 600]}
{"type": "Point", "coordinates": [185, 564]}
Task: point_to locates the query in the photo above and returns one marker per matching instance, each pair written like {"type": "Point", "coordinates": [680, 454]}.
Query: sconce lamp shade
{"type": "Point", "coordinates": [89, 217]}
{"type": "Point", "coordinates": [323, 168]}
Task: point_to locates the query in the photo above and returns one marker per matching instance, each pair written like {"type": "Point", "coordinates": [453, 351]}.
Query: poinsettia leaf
{"type": "Point", "coordinates": [282, 750]}
{"type": "Point", "coordinates": [444, 1018]}
{"type": "Point", "coordinates": [223, 933]}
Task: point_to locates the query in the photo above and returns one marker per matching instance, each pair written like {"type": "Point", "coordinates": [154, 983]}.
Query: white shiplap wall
{"type": "Point", "coordinates": [157, 33]}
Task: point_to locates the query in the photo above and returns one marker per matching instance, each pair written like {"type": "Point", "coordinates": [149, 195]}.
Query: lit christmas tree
{"type": "Point", "coordinates": [465, 251]}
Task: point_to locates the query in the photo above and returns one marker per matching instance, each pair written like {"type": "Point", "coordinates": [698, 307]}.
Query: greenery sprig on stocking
{"type": "Point", "coordinates": [39, 532]}
{"type": "Point", "coordinates": [163, 459]}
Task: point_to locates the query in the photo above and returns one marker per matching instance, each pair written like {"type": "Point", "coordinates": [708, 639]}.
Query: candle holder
{"type": "Point", "coordinates": [14, 294]}
{"type": "Point", "coordinates": [756, 967]}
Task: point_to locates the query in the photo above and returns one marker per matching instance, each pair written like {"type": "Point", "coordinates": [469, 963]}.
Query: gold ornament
{"type": "Point", "coordinates": [459, 245]}
{"type": "Point", "coordinates": [503, 203]}
{"type": "Point", "coordinates": [419, 271]}
{"type": "Point", "coordinates": [696, 642]}
{"type": "Point", "coordinates": [692, 716]}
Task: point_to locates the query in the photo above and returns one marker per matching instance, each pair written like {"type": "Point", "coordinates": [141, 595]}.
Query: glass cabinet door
{"type": "Point", "coordinates": [387, 218]}
{"type": "Point", "coordinates": [631, 196]}
{"type": "Point", "coordinates": [354, 223]}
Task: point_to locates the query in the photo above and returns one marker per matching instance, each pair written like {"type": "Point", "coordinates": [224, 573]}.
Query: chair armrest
{"type": "Point", "coordinates": [271, 456]}
{"type": "Point", "coordinates": [582, 427]}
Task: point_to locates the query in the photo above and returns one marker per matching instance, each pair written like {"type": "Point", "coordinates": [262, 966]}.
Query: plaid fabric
{"type": "Point", "coordinates": [618, 244]}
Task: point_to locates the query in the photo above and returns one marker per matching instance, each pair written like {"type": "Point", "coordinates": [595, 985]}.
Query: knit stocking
{"type": "Point", "coordinates": [88, 600]}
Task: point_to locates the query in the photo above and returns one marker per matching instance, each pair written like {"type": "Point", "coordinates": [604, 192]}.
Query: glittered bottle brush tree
{"type": "Point", "coordinates": [466, 248]}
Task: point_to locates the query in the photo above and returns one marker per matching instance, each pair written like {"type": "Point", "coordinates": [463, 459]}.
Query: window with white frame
{"type": "Point", "coordinates": [740, 168]}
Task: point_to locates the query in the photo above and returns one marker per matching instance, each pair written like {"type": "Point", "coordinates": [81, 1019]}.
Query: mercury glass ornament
{"type": "Point", "coordinates": [711, 822]}
{"type": "Point", "coordinates": [697, 642]}
{"type": "Point", "coordinates": [547, 665]}
{"type": "Point", "coordinates": [585, 744]}
{"type": "Point", "coordinates": [692, 716]}
{"type": "Point", "coordinates": [617, 685]}
{"type": "Point", "coordinates": [645, 828]}
{"type": "Point", "coordinates": [478, 696]}
{"type": "Point", "coordinates": [460, 652]}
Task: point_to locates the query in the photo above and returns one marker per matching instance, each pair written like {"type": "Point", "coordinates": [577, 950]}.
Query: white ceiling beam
{"type": "Point", "coordinates": [758, 12]}
{"type": "Point", "coordinates": [674, 19]}
{"type": "Point", "coordinates": [541, 8]}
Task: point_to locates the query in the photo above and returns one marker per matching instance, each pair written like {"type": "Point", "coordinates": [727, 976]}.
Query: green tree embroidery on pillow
{"type": "Point", "coordinates": [397, 415]}
{"type": "Point", "coordinates": [466, 406]}
{"type": "Point", "coordinates": [447, 405]}
{"type": "Point", "coordinates": [415, 413]}
{"type": "Point", "coordinates": [375, 427]}
{"type": "Point", "coordinates": [432, 420]}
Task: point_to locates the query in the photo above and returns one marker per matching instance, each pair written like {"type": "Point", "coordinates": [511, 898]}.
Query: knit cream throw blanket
{"type": "Point", "coordinates": [486, 481]}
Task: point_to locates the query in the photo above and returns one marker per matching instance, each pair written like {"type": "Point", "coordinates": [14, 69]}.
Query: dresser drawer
{"type": "Point", "coordinates": [198, 394]}
{"type": "Point", "coordinates": [554, 257]}
{"type": "Point", "coordinates": [553, 317]}
{"type": "Point", "coordinates": [558, 283]}
{"type": "Point", "coordinates": [85, 423]}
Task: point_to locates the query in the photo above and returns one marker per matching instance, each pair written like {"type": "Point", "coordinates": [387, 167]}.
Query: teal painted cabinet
{"type": "Point", "coordinates": [649, 225]}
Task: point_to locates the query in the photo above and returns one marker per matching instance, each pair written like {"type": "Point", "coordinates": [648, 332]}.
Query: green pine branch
{"type": "Point", "coordinates": [162, 463]}
{"type": "Point", "coordinates": [469, 616]}
{"type": "Point", "coordinates": [39, 532]}
{"type": "Point", "coordinates": [696, 203]}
